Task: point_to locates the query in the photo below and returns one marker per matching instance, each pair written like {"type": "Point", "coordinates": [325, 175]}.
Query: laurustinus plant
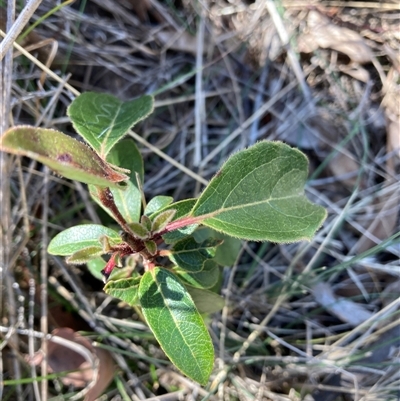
{"type": "Point", "coordinates": [168, 253]}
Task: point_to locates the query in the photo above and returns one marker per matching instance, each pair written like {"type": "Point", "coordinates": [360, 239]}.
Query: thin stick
{"type": "Point", "coordinates": [199, 110]}
{"type": "Point", "coordinates": [294, 62]}
{"type": "Point", "coordinates": [43, 285]}
{"type": "Point", "coordinates": [18, 26]}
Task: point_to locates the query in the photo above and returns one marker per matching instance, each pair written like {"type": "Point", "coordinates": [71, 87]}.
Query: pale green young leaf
{"type": "Point", "coordinates": [85, 255]}
{"type": "Point", "coordinates": [139, 230]}
{"type": "Point", "coordinates": [102, 119]}
{"type": "Point", "coordinates": [125, 154]}
{"type": "Point", "coordinates": [161, 221]}
{"type": "Point", "coordinates": [151, 246]}
{"type": "Point", "coordinates": [128, 200]}
{"type": "Point", "coordinates": [66, 156]}
{"type": "Point", "coordinates": [177, 325]}
{"type": "Point", "coordinates": [259, 195]}
{"type": "Point", "coordinates": [95, 267]}
{"type": "Point", "coordinates": [145, 222]}
{"type": "Point", "coordinates": [182, 209]}
{"type": "Point", "coordinates": [80, 237]}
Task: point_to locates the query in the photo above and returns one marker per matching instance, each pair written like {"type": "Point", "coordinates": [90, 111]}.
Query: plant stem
{"type": "Point", "coordinates": [107, 199]}
{"type": "Point", "coordinates": [180, 223]}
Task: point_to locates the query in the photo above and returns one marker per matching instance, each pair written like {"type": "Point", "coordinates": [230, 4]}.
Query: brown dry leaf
{"type": "Point", "coordinates": [181, 41]}
{"type": "Point", "coordinates": [344, 309]}
{"type": "Point", "coordinates": [62, 357]}
{"type": "Point", "coordinates": [322, 33]}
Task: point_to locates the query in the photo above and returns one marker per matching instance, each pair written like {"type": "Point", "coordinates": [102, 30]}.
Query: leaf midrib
{"type": "Point", "coordinates": [242, 206]}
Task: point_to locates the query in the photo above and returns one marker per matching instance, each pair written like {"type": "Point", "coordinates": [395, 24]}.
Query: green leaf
{"type": "Point", "coordinates": [139, 230]}
{"type": "Point", "coordinates": [125, 154]}
{"type": "Point", "coordinates": [95, 267]}
{"type": "Point", "coordinates": [145, 222]}
{"type": "Point", "coordinates": [189, 255]}
{"type": "Point", "coordinates": [182, 209]}
{"type": "Point", "coordinates": [206, 301]}
{"type": "Point", "coordinates": [66, 156]}
{"type": "Point", "coordinates": [151, 246]}
{"type": "Point", "coordinates": [157, 203]}
{"type": "Point", "coordinates": [102, 119]}
{"type": "Point", "coordinates": [205, 278]}
{"type": "Point", "coordinates": [80, 237]}
{"type": "Point", "coordinates": [85, 255]}
{"type": "Point", "coordinates": [259, 195]}
{"type": "Point", "coordinates": [227, 252]}
{"type": "Point", "coordinates": [128, 200]}
{"type": "Point", "coordinates": [177, 325]}
{"type": "Point", "coordinates": [126, 289]}
{"type": "Point", "coordinates": [162, 220]}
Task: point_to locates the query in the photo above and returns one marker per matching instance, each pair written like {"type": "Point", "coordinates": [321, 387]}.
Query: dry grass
{"type": "Point", "coordinates": [315, 321]}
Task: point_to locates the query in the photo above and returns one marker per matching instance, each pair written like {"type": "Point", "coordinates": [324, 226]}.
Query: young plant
{"type": "Point", "coordinates": [258, 194]}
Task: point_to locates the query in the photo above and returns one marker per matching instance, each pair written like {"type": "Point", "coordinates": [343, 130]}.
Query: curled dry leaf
{"type": "Point", "coordinates": [344, 309]}
{"type": "Point", "coordinates": [83, 367]}
{"type": "Point", "coordinates": [325, 35]}
{"type": "Point", "coordinates": [322, 33]}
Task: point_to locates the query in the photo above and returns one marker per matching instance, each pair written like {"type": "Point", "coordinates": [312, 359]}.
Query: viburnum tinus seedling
{"type": "Point", "coordinates": [168, 250]}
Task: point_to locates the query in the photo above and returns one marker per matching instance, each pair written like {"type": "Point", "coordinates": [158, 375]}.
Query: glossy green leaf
{"type": "Point", "coordinates": [80, 237]}
{"type": "Point", "coordinates": [102, 119]}
{"type": "Point", "coordinates": [157, 203]}
{"type": "Point", "coordinates": [177, 325]}
{"type": "Point", "coordinates": [205, 278]}
{"type": "Point", "coordinates": [206, 301]}
{"type": "Point", "coordinates": [190, 255]}
{"type": "Point", "coordinates": [227, 252]}
{"type": "Point", "coordinates": [85, 255]}
{"type": "Point", "coordinates": [126, 289]}
{"type": "Point", "coordinates": [66, 156]}
{"type": "Point", "coordinates": [259, 195]}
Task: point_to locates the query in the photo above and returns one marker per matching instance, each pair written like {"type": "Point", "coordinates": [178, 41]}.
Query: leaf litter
{"type": "Point", "coordinates": [298, 341]}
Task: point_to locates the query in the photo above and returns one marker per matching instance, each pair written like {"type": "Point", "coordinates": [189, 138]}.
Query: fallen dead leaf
{"type": "Point", "coordinates": [322, 33]}
{"type": "Point", "coordinates": [87, 364]}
